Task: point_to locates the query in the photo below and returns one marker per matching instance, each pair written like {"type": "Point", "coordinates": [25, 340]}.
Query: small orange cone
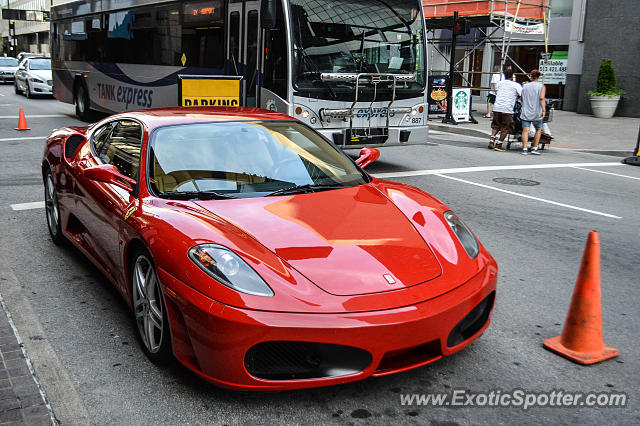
{"type": "Point", "coordinates": [581, 339]}
{"type": "Point", "coordinates": [22, 121]}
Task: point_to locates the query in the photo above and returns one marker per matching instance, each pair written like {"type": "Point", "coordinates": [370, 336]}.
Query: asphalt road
{"type": "Point", "coordinates": [79, 336]}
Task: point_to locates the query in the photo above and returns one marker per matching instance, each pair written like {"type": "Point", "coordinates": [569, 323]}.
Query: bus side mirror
{"type": "Point", "coordinates": [268, 14]}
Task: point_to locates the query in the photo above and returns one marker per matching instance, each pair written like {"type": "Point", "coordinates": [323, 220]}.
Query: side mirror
{"type": "Point", "coordinates": [109, 173]}
{"type": "Point", "coordinates": [367, 156]}
{"type": "Point", "coordinates": [268, 14]}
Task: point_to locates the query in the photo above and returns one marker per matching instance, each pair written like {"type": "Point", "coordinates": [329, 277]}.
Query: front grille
{"type": "Point", "coordinates": [359, 136]}
{"type": "Point", "coordinates": [286, 360]}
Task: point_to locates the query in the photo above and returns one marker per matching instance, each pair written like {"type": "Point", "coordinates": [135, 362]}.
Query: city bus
{"type": "Point", "coordinates": [353, 70]}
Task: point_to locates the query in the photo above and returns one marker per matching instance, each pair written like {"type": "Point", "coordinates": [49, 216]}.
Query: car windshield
{"type": "Point", "coordinates": [40, 64]}
{"type": "Point", "coordinates": [245, 159]}
{"type": "Point", "coordinates": [8, 62]}
{"type": "Point", "coordinates": [345, 36]}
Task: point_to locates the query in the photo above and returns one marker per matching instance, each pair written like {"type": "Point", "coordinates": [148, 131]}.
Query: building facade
{"type": "Point", "coordinates": [31, 36]}
{"type": "Point", "coordinates": [604, 29]}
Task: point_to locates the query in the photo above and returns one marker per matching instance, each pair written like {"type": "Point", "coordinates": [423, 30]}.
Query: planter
{"type": "Point", "coordinates": [604, 106]}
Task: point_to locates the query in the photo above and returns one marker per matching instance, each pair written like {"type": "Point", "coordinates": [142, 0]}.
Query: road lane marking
{"type": "Point", "coordinates": [28, 206]}
{"type": "Point", "coordinates": [555, 203]}
{"type": "Point", "coordinates": [489, 168]}
{"type": "Point", "coordinates": [36, 116]}
{"type": "Point", "coordinates": [607, 173]}
{"type": "Point", "coordinates": [23, 138]}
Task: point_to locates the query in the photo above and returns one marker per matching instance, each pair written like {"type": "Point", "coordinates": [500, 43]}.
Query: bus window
{"type": "Point", "coordinates": [252, 56]}
{"type": "Point", "coordinates": [234, 43]}
{"type": "Point", "coordinates": [166, 45]}
{"type": "Point", "coordinates": [275, 61]}
{"type": "Point", "coordinates": [203, 35]}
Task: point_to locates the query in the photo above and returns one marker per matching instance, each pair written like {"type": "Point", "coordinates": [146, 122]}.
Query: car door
{"type": "Point", "coordinates": [20, 75]}
{"type": "Point", "coordinates": [104, 205]}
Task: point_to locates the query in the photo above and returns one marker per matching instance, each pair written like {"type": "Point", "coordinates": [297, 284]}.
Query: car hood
{"type": "Point", "coordinates": [4, 68]}
{"type": "Point", "coordinates": [42, 74]}
{"type": "Point", "coordinates": [347, 241]}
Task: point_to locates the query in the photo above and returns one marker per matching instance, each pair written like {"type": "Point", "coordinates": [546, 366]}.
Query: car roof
{"type": "Point", "coordinates": [159, 117]}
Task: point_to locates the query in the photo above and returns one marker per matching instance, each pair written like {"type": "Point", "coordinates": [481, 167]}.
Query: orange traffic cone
{"type": "Point", "coordinates": [22, 121]}
{"type": "Point", "coordinates": [581, 339]}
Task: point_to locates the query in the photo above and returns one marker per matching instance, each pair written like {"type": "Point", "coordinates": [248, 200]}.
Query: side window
{"type": "Point", "coordinates": [99, 138]}
{"type": "Point", "coordinates": [125, 143]}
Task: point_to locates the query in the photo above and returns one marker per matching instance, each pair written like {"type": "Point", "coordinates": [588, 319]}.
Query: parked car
{"type": "Point", "coordinates": [8, 68]}
{"type": "Point", "coordinates": [23, 55]}
{"type": "Point", "coordinates": [256, 253]}
{"type": "Point", "coordinates": [34, 77]}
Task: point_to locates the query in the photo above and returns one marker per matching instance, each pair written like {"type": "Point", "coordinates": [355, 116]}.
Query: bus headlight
{"type": "Point", "coordinates": [414, 111]}
{"type": "Point", "coordinates": [305, 114]}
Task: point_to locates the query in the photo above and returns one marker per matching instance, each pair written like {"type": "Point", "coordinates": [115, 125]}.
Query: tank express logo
{"type": "Point", "coordinates": [141, 98]}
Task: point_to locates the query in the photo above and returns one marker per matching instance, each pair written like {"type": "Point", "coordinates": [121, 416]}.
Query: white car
{"type": "Point", "coordinates": [34, 77]}
{"type": "Point", "coordinates": [8, 68]}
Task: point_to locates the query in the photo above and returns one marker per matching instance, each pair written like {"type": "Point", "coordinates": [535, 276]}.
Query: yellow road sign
{"type": "Point", "coordinates": [205, 90]}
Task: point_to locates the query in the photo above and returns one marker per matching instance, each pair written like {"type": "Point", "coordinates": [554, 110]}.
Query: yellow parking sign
{"type": "Point", "coordinates": [209, 90]}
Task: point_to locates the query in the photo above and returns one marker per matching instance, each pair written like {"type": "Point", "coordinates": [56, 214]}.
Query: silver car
{"type": "Point", "coordinates": [34, 77]}
{"type": "Point", "coordinates": [8, 68]}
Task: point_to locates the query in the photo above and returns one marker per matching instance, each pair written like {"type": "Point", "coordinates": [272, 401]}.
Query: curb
{"type": "Point", "coordinates": [459, 130]}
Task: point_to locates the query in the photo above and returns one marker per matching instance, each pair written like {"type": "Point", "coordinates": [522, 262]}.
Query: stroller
{"type": "Point", "coordinates": [516, 127]}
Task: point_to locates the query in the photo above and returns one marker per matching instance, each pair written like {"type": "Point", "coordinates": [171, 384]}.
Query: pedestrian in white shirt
{"type": "Point", "coordinates": [496, 78]}
{"type": "Point", "coordinates": [508, 92]}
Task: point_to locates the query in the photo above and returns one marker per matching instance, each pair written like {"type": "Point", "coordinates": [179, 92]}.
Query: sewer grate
{"type": "Point", "coordinates": [516, 181]}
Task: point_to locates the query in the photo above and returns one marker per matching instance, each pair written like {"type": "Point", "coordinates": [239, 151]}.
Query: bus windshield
{"type": "Point", "coordinates": [345, 36]}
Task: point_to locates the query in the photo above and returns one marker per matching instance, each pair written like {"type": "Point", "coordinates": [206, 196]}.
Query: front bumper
{"type": "Point", "coordinates": [41, 88]}
{"type": "Point", "coordinates": [213, 339]}
{"type": "Point", "coordinates": [398, 135]}
{"type": "Point", "coordinates": [7, 77]}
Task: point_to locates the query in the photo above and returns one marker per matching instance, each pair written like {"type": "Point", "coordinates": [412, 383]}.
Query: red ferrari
{"type": "Point", "coordinates": [260, 256]}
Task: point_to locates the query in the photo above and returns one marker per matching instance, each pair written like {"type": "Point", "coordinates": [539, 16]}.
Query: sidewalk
{"type": "Point", "coordinates": [21, 402]}
{"type": "Point", "coordinates": [570, 130]}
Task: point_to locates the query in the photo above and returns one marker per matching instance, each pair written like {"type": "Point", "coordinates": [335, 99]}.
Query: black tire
{"type": "Point", "coordinates": [15, 87]}
{"type": "Point", "coordinates": [52, 209]}
{"type": "Point", "coordinates": [81, 99]}
{"type": "Point", "coordinates": [27, 91]}
{"type": "Point", "coordinates": [155, 341]}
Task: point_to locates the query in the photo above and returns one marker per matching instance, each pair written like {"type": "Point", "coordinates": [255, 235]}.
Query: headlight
{"type": "Point", "coordinates": [464, 234]}
{"type": "Point", "coordinates": [35, 80]}
{"type": "Point", "coordinates": [229, 269]}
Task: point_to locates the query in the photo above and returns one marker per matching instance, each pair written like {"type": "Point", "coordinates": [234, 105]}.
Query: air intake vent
{"type": "Point", "coordinates": [304, 360]}
{"type": "Point", "coordinates": [71, 146]}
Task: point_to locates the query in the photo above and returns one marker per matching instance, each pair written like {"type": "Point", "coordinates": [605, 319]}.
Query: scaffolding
{"type": "Point", "coordinates": [493, 22]}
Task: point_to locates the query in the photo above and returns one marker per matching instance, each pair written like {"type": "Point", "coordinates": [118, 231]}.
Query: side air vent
{"type": "Point", "coordinates": [71, 146]}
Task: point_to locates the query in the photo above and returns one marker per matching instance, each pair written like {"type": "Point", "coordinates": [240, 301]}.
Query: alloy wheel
{"type": "Point", "coordinates": [51, 206]}
{"type": "Point", "coordinates": [147, 304]}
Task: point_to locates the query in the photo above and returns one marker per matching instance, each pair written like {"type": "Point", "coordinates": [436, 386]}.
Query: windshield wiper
{"type": "Point", "coordinates": [191, 195]}
{"type": "Point", "coordinates": [301, 189]}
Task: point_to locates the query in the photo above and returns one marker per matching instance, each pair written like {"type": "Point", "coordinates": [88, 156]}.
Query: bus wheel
{"type": "Point", "coordinates": [82, 103]}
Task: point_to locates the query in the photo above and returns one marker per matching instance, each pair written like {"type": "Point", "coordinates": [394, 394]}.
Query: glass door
{"type": "Point", "coordinates": [243, 47]}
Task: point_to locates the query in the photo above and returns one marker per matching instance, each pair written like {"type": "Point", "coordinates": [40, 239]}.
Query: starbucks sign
{"type": "Point", "coordinates": [461, 104]}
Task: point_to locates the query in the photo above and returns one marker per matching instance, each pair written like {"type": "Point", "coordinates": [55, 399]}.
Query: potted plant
{"type": "Point", "coordinates": [604, 100]}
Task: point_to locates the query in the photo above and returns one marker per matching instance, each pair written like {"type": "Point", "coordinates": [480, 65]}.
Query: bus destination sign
{"type": "Point", "coordinates": [202, 12]}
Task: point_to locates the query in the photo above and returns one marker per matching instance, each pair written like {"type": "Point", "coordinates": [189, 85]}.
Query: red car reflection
{"type": "Point", "coordinates": [258, 254]}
